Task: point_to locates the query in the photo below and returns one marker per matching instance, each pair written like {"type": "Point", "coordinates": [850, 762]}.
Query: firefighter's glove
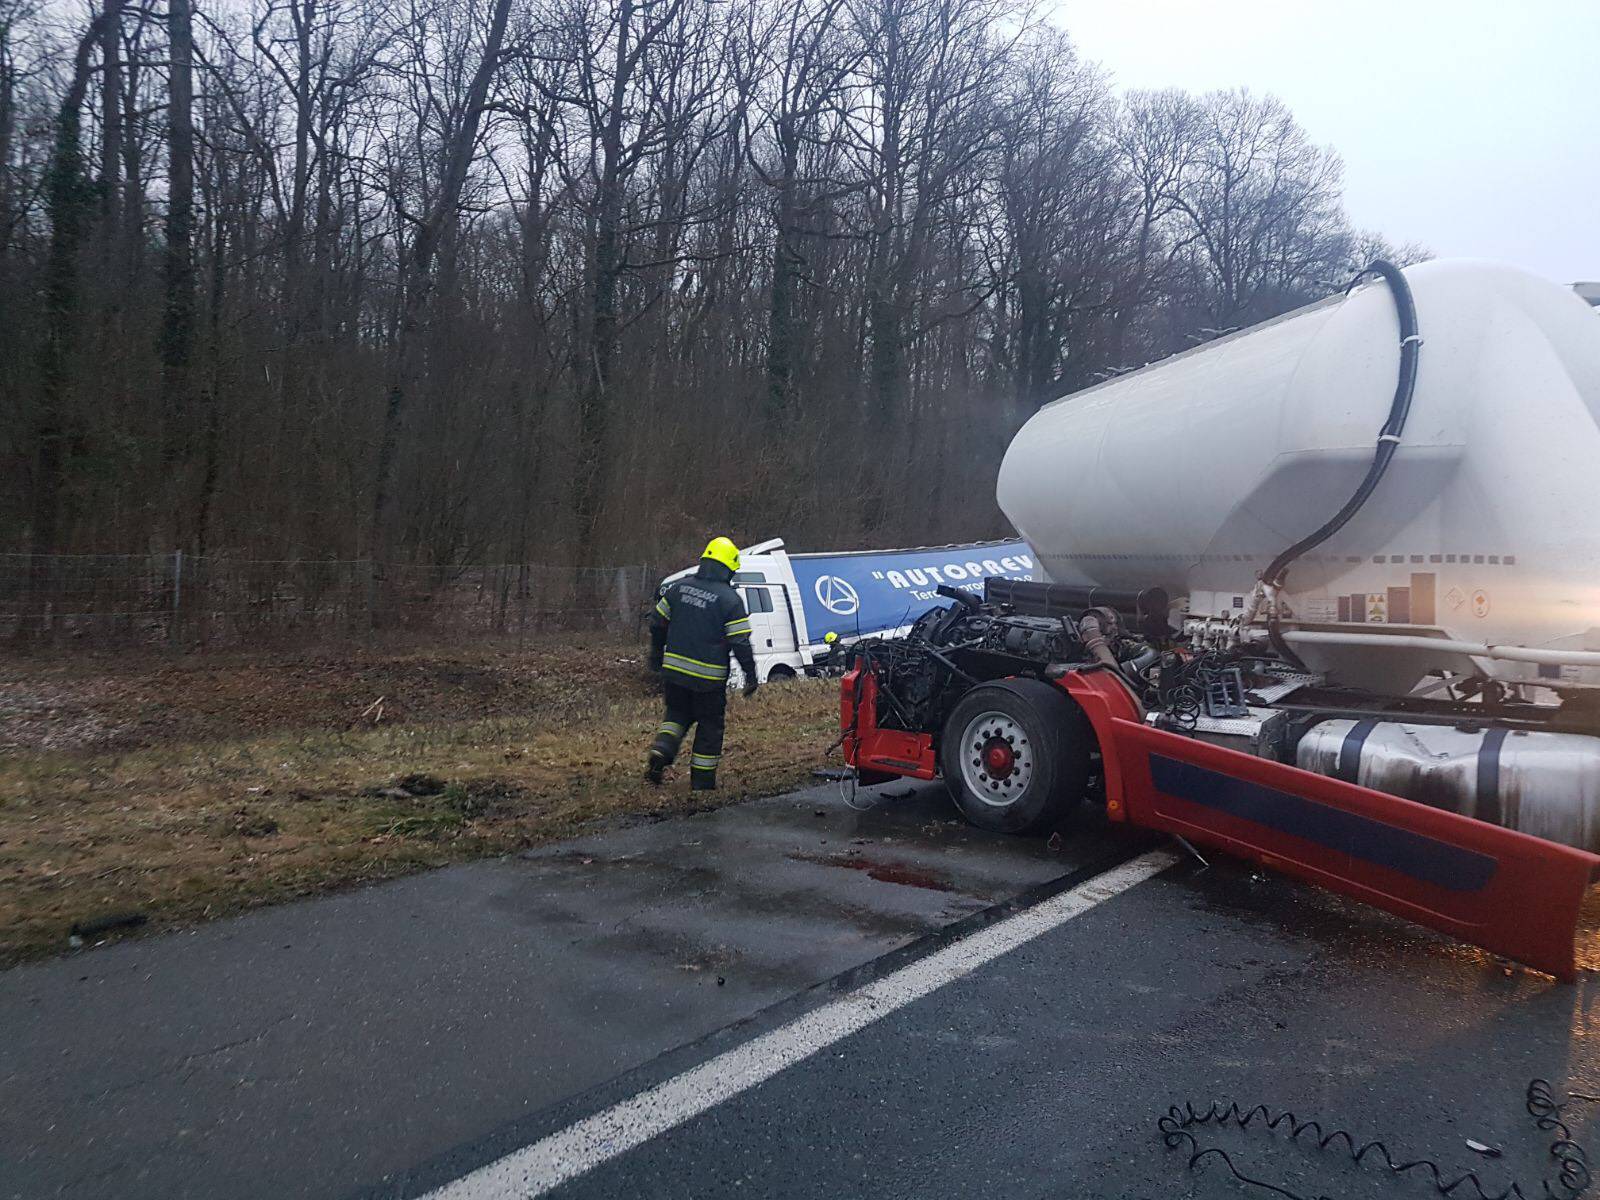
{"type": "Point", "coordinates": [750, 686]}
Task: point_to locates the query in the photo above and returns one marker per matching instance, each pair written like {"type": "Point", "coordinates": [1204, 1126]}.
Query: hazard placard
{"type": "Point", "coordinates": [1378, 608]}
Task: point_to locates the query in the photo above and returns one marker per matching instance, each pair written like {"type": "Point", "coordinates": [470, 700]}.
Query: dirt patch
{"type": "Point", "coordinates": [253, 787]}
{"type": "Point", "coordinates": [134, 701]}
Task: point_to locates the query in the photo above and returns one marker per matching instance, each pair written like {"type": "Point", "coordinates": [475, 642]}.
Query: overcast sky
{"type": "Point", "coordinates": [1470, 126]}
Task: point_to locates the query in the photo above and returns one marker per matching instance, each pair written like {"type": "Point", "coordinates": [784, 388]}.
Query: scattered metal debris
{"type": "Point", "coordinates": [1193, 853]}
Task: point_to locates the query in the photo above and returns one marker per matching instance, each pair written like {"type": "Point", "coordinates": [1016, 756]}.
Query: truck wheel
{"type": "Point", "coordinates": [1015, 755]}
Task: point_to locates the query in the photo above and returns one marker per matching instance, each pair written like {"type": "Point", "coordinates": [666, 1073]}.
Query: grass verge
{"type": "Point", "coordinates": [181, 832]}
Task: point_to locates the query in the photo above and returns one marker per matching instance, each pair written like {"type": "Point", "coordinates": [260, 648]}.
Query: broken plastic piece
{"type": "Point", "coordinates": [1225, 695]}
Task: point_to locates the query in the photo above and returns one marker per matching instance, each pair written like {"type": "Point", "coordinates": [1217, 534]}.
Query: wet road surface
{"type": "Point", "coordinates": [1044, 1074]}
{"type": "Point", "coordinates": [316, 1048]}
{"type": "Point", "coordinates": [388, 1041]}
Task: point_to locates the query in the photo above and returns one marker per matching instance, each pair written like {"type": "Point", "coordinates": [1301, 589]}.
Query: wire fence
{"type": "Point", "coordinates": [183, 601]}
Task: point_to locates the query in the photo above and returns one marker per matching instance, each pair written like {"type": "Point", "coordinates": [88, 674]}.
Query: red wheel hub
{"type": "Point", "coordinates": [999, 759]}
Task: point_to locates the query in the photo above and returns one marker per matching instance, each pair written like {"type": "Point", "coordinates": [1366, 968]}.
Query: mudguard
{"type": "Point", "coordinates": [1505, 891]}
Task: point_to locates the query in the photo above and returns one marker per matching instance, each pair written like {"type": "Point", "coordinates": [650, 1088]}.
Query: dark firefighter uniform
{"type": "Point", "coordinates": [697, 623]}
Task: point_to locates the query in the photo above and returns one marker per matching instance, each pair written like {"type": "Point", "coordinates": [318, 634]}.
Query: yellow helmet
{"type": "Point", "coordinates": [720, 549]}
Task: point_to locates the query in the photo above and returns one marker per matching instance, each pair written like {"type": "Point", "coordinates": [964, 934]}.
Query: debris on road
{"type": "Point", "coordinates": [82, 931]}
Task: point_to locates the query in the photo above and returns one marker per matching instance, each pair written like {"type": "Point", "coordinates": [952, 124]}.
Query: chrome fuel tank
{"type": "Point", "coordinates": [1544, 784]}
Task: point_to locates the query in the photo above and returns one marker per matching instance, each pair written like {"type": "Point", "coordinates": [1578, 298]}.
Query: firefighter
{"type": "Point", "coordinates": [697, 622]}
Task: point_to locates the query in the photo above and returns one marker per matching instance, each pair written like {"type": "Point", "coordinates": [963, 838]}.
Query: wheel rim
{"type": "Point", "coordinates": [996, 759]}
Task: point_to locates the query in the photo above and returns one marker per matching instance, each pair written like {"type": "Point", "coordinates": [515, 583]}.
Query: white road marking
{"type": "Point", "coordinates": [537, 1169]}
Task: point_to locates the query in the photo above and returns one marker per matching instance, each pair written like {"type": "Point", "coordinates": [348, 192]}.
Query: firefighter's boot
{"type": "Point", "coordinates": [656, 768]}
{"type": "Point", "coordinates": [703, 772]}
{"type": "Point", "coordinates": [664, 749]}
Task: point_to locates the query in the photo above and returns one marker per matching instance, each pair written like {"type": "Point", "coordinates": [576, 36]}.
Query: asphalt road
{"type": "Point", "coordinates": [1044, 1075]}
{"type": "Point", "coordinates": [389, 1041]}
{"type": "Point", "coordinates": [317, 1048]}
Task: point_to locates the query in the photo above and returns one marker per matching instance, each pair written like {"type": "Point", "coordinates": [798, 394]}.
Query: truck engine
{"type": "Point", "coordinates": [1477, 750]}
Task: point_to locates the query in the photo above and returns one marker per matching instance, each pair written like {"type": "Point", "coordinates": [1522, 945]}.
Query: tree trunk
{"type": "Point", "coordinates": [69, 203]}
{"type": "Point", "coordinates": [418, 285]}
{"type": "Point", "coordinates": [110, 122]}
{"type": "Point", "coordinates": [9, 217]}
{"type": "Point", "coordinates": [211, 402]}
{"type": "Point", "coordinates": [785, 273]}
{"type": "Point", "coordinates": [888, 359]}
{"type": "Point", "coordinates": [605, 274]}
{"type": "Point", "coordinates": [177, 320]}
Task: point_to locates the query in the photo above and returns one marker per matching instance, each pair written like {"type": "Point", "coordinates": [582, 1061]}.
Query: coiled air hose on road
{"type": "Point", "coordinates": [1388, 442]}
{"type": "Point", "coordinates": [1181, 1124]}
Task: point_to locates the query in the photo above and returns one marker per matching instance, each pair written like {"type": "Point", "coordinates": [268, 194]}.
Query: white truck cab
{"type": "Point", "coordinates": [796, 600]}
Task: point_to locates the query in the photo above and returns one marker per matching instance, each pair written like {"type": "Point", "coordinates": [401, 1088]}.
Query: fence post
{"type": "Point", "coordinates": [641, 615]}
{"type": "Point", "coordinates": [523, 586]}
{"type": "Point", "coordinates": [623, 606]}
{"type": "Point", "coordinates": [177, 595]}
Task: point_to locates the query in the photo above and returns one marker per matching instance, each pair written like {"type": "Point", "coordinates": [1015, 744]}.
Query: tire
{"type": "Point", "coordinates": [780, 674]}
{"type": "Point", "coordinates": [1015, 755]}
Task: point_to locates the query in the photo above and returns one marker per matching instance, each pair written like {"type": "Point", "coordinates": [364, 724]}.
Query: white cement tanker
{"type": "Point", "coordinates": [1476, 553]}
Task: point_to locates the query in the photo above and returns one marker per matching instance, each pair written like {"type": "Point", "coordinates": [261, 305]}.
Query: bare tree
{"type": "Point", "coordinates": [457, 147]}
{"type": "Point", "coordinates": [564, 279]}
{"type": "Point", "coordinates": [15, 18]}
{"type": "Point", "coordinates": [177, 322]}
{"type": "Point", "coordinates": [932, 68]}
{"type": "Point", "coordinates": [1262, 202]}
{"type": "Point", "coordinates": [806, 60]}
{"type": "Point", "coordinates": [1064, 204]}
{"type": "Point", "coordinates": [69, 204]}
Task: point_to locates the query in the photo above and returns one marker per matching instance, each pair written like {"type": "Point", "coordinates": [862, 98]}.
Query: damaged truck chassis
{"type": "Point", "coordinates": [1045, 697]}
{"type": "Point", "coordinates": [1442, 763]}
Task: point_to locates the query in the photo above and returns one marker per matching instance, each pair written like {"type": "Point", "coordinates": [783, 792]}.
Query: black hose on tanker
{"type": "Point", "coordinates": [1388, 442]}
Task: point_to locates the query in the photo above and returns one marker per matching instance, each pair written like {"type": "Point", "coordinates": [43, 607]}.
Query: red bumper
{"type": "Point", "coordinates": [1502, 890]}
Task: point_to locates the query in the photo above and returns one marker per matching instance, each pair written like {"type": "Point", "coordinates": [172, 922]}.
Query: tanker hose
{"type": "Point", "coordinates": [1388, 441]}
{"type": "Point", "coordinates": [1142, 661]}
{"type": "Point", "coordinates": [966, 599]}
